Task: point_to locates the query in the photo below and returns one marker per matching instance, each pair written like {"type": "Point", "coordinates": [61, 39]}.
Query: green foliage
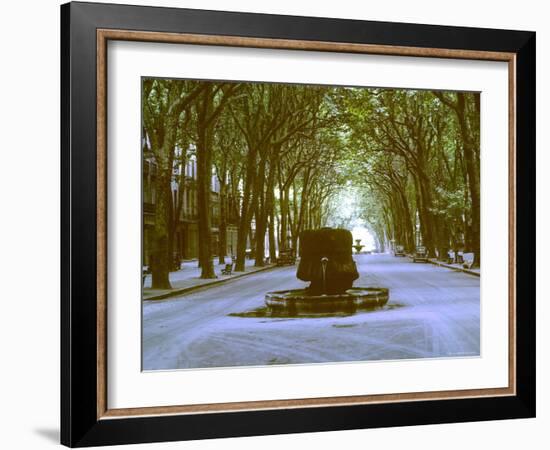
{"type": "Point", "coordinates": [294, 154]}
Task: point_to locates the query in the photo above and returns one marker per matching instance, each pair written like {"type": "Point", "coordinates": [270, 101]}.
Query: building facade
{"type": "Point", "coordinates": [184, 199]}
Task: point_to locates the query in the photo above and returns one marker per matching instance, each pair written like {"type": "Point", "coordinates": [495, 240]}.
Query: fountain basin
{"type": "Point", "coordinates": [296, 301]}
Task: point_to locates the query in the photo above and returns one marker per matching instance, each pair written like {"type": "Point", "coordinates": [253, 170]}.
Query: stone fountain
{"type": "Point", "coordinates": [358, 247]}
{"type": "Point", "coordinates": [326, 262]}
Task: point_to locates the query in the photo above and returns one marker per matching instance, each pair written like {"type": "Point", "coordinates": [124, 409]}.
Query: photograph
{"type": "Point", "coordinates": [288, 224]}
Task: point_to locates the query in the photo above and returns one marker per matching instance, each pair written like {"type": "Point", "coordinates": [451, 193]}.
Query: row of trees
{"type": "Point", "coordinates": [271, 147]}
{"type": "Point", "coordinates": [417, 156]}
{"type": "Point", "coordinates": [282, 153]}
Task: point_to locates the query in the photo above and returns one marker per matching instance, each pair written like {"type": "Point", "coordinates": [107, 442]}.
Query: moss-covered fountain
{"type": "Point", "coordinates": [326, 262]}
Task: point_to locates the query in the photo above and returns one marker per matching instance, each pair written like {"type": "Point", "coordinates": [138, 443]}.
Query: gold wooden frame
{"type": "Point", "coordinates": [104, 35]}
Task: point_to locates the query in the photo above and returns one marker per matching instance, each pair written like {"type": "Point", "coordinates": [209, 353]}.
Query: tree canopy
{"type": "Point", "coordinates": [286, 156]}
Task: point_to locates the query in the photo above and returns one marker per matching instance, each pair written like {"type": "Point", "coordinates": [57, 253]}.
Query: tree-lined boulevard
{"type": "Point", "coordinates": [288, 158]}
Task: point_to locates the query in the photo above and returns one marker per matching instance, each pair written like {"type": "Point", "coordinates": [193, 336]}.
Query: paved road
{"type": "Point", "coordinates": [432, 312]}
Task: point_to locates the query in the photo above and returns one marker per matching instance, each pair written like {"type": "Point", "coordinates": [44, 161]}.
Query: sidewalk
{"type": "Point", "coordinates": [188, 279]}
{"type": "Point", "coordinates": [468, 257]}
{"type": "Point", "coordinates": [458, 267]}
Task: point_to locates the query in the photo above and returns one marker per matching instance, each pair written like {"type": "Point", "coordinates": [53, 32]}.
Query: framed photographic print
{"type": "Point", "coordinates": [276, 224]}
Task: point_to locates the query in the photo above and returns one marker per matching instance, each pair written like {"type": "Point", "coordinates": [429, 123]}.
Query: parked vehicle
{"type": "Point", "coordinates": [399, 250]}
{"type": "Point", "coordinates": [421, 254]}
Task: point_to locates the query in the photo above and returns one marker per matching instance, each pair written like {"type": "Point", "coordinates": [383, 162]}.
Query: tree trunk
{"type": "Point", "coordinates": [426, 219]}
{"type": "Point", "coordinates": [162, 248]}
{"type": "Point", "coordinates": [204, 180]}
{"type": "Point", "coordinates": [246, 211]}
{"type": "Point", "coordinates": [261, 215]}
{"type": "Point", "coordinates": [472, 170]}
{"type": "Point", "coordinates": [294, 223]}
{"type": "Point", "coordinates": [272, 239]}
{"type": "Point", "coordinates": [222, 241]}
{"type": "Point", "coordinates": [160, 261]}
{"type": "Point", "coordinates": [177, 204]}
{"type": "Point", "coordinates": [283, 244]}
{"type": "Point", "coordinates": [408, 226]}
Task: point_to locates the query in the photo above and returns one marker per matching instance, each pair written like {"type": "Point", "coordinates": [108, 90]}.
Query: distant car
{"type": "Point", "coordinates": [399, 250]}
{"type": "Point", "coordinates": [421, 254]}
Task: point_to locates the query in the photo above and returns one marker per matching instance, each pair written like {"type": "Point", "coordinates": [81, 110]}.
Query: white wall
{"type": "Point", "coordinates": [29, 111]}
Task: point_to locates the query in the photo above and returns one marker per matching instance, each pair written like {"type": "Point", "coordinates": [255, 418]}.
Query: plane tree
{"type": "Point", "coordinates": [165, 107]}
